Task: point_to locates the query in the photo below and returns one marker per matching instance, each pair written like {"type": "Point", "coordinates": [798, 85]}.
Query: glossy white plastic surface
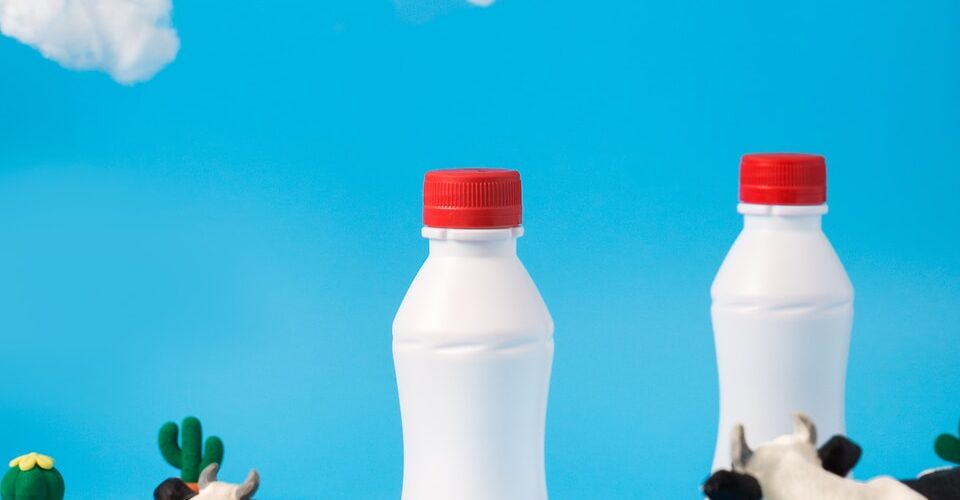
{"type": "Point", "coordinates": [473, 348]}
{"type": "Point", "coordinates": [782, 314]}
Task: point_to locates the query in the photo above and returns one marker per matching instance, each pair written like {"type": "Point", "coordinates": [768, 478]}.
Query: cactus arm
{"type": "Point", "coordinates": [191, 441]}
{"type": "Point", "coordinates": [948, 448]}
{"type": "Point", "coordinates": [212, 452]}
{"type": "Point", "coordinates": [168, 445]}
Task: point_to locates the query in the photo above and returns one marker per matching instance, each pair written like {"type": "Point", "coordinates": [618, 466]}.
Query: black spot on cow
{"type": "Point", "coordinates": [840, 455]}
{"type": "Point", "coordinates": [173, 489]}
{"type": "Point", "coordinates": [729, 485]}
{"type": "Point", "coordinates": [938, 485]}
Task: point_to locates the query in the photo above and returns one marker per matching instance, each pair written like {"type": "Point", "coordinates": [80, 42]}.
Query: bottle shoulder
{"type": "Point", "coordinates": [787, 266]}
{"type": "Point", "coordinates": [473, 297]}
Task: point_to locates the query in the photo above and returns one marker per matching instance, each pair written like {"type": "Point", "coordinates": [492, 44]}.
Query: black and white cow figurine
{"type": "Point", "coordinates": [838, 455]}
{"type": "Point", "coordinates": [210, 487]}
{"type": "Point", "coordinates": [791, 468]}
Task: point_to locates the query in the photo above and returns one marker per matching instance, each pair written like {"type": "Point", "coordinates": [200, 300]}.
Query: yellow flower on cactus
{"type": "Point", "coordinates": [31, 460]}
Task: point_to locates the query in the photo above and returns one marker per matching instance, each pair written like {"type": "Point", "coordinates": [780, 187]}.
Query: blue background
{"type": "Point", "coordinates": [232, 238]}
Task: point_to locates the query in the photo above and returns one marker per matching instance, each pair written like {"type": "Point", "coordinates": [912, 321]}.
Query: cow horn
{"type": "Point", "coordinates": [249, 487]}
{"type": "Point", "coordinates": [740, 452]}
{"type": "Point", "coordinates": [804, 428]}
{"type": "Point", "coordinates": [208, 475]}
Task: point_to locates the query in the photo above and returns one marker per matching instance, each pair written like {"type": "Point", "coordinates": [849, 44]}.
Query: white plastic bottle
{"type": "Point", "coordinates": [473, 348]}
{"type": "Point", "coordinates": [782, 306]}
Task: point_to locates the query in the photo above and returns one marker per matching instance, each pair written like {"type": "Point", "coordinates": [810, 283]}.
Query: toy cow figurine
{"type": "Point", "coordinates": [791, 468]}
{"type": "Point", "coordinates": [210, 487]}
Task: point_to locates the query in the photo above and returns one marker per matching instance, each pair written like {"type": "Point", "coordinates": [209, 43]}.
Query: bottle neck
{"type": "Point", "coordinates": [472, 242]}
{"type": "Point", "coordinates": [782, 217]}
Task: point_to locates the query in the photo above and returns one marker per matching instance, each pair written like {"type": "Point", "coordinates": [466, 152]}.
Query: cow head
{"type": "Point", "coordinates": [838, 455]}
{"type": "Point", "coordinates": [212, 489]}
{"type": "Point", "coordinates": [798, 447]}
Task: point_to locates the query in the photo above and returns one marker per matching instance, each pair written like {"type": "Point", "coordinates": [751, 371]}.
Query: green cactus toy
{"type": "Point", "coordinates": [32, 477]}
{"type": "Point", "coordinates": [186, 455]}
{"type": "Point", "coordinates": [948, 448]}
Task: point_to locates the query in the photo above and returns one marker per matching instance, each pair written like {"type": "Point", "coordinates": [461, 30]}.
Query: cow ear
{"type": "Point", "coordinates": [804, 428]}
{"type": "Point", "coordinates": [839, 455]}
{"type": "Point", "coordinates": [740, 452]}
{"type": "Point", "coordinates": [729, 485]}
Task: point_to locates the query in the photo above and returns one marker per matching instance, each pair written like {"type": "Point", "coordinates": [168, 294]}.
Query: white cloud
{"type": "Point", "coordinates": [129, 39]}
{"type": "Point", "coordinates": [481, 3]}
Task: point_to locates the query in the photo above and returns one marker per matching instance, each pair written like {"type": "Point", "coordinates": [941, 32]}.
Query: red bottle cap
{"type": "Point", "coordinates": [783, 179]}
{"type": "Point", "coordinates": [472, 198]}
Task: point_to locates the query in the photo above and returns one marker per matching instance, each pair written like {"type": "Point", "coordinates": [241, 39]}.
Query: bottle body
{"type": "Point", "coordinates": [473, 349]}
{"type": "Point", "coordinates": [782, 314]}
